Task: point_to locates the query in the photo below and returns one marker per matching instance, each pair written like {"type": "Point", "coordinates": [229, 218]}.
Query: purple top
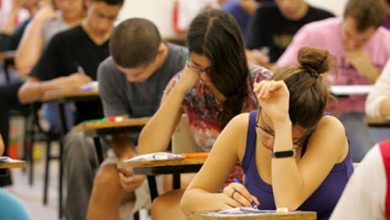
{"type": "Point", "coordinates": [322, 201]}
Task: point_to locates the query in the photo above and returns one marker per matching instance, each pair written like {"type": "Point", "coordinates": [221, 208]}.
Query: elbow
{"type": "Point", "coordinates": [23, 95]}
{"type": "Point", "coordinates": [184, 206]}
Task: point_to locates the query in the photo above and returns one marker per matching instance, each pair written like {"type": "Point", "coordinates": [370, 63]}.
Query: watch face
{"type": "Point", "coordinates": [281, 154]}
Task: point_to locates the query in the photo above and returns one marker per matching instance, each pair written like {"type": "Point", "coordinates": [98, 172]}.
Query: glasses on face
{"type": "Point", "coordinates": [196, 68]}
{"type": "Point", "coordinates": [270, 136]}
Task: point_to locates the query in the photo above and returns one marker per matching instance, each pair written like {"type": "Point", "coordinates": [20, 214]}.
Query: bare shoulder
{"type": "Point", "coordinates": [236, 131]}
{"type": "Point", "coordinates": [331, 122]}
{"type": "Point", "coordinates": [331, 130]}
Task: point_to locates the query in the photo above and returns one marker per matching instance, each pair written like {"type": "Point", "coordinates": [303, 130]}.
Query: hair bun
{"type": "Point", "coordinates": [315, 60]}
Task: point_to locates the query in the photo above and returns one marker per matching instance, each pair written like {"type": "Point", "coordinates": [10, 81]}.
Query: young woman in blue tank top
{"type": "Point", "coordinates": [293, 155]}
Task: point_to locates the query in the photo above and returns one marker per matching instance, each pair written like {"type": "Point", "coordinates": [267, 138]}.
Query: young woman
{"type": "Point", "coordinates": [293, 155]}
{"type": "Point", "coordinates": [215, 85]}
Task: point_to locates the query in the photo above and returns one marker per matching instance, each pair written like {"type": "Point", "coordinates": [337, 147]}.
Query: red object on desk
{"type": "Point", "coordinates": [195, 155]}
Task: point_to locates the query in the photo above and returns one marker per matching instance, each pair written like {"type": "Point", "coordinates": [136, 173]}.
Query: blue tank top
{"type": "Point", "coordinates": [323, 200]}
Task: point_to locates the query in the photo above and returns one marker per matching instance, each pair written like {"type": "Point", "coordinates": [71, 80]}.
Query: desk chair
{"type": "Point", "coordinates": [34, 132]}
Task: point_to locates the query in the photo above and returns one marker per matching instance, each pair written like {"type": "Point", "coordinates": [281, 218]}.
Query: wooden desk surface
{"type": "Point", "coordinates": [379, 122]}
{"type": "Point", "coordinates": [68, 94]}
{"type": "Point", "coordinates": [12, 164]}
{"type": "Point", "coordinates": [94, 125]}
{"type": "Point", "coordinates": [298, 215]}
{"type": "Point", "coordinates": [163, 163]}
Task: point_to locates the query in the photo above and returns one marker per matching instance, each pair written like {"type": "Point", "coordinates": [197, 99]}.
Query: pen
{"type": "Point", "coordinates": [80, 70]}
{"type": "Point", "coordinates": [253, 204]}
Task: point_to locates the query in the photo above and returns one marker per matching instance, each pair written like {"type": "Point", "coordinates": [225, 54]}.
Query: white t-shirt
{"type": "Point", "coordinates": [364, 195]}
{"type": "Point", "coordinates": [380, 92]}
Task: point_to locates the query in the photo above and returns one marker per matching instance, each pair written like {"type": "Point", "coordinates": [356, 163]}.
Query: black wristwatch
{"type": "Point", "coordinates": [283, 154]}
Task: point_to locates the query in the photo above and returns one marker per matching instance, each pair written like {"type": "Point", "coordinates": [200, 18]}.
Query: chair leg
{"type": "Point", "coordinates": [47, 171]}
{"type": "Point", "coordinates": [31, 160]}
{"type": "Point", "coordinates": [136, 216]}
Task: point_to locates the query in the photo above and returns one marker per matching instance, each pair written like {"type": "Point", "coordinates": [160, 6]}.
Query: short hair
{"type": "Point", "coordinates": [111, 2]}
{"type": "Point", "coordinates": [309, 93]}
{"type": "Point", "coordinates": [216, 35]}
{"type": "Point", "coordinates": [366, 13]}
{"type": "Point", "coordinates": [134, 42]}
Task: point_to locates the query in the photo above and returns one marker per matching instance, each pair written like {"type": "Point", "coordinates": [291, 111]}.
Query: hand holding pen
{"type": "Point", "coordinates": [240, 196]}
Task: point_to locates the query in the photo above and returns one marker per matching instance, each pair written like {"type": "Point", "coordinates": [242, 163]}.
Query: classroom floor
{"type": "Point", "coordinates": [32, 196]}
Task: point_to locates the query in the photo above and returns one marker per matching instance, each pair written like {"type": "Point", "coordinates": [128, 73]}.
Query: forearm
{"type": "Point", "coordinates": [195, 200]}
{"type": "Point", "coordinates": [123, 146]}
{"type": "Point", "coordinates": [384, 108]}
{"type": "Point", "coordinates": [155, 136]}
{"type": "Point", "coordinates": [285, 170]}
{"type": "Point", "coordinates": [371, 72]}
{"type": "Point", "coordinates": [30, 47]}
{"type": "Point", "coordinates": [34, 90]}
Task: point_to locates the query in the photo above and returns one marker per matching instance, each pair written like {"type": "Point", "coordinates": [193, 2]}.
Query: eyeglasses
{"type": "Point", "coordinates": [197, 69]}
{"type": "Point", "coordinates": [269, 136]}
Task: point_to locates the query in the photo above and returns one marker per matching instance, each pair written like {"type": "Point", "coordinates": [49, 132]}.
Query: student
{"type": "Point", "coordinates": [131, 82]}
{"type": "Point", "coordinates": [242, 11]}
{"type": "Point", "coordinates": [10, 206]}
{"type": "Point", "coordinates": [11, 35]}
{"type": "Point", "coordinates": [44, 25]}
{"type": "Point", "coordinates": [274, 25]}
{"type": "Point", "coordinates": [215, 85]}
{"type": "Point", "coordinates": [283, 147]}
{"type": "Point", "coordinates": [361, 48]}
{"type": "Point", "coordinates": [80, 48]}
{"type": "Point", "coordinates": [366, 195]}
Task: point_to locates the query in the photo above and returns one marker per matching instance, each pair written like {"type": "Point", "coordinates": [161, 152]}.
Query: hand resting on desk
{"type": "Point", "coordinates": [128, 180]}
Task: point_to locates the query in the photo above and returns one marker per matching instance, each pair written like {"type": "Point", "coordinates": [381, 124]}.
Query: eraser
{"type": "Point", "coordinates": [282, 210]}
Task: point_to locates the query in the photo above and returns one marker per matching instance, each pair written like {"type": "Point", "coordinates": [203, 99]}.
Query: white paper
{"type": "Point", "coordinates": [156, 156]}
{"type": "Point", "coordinates": [351, 89]}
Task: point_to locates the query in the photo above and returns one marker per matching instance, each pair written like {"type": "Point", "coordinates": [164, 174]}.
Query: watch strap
{"type": "Point", "coordinates": [283, 154]}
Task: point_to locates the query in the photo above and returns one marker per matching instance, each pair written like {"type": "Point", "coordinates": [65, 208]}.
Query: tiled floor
{"type": "Point", "coordinates": [32, 196]}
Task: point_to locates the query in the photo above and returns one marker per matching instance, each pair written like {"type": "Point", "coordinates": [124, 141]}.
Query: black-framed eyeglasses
{"type": "Point", "coordinates": [197, 69]}
{"type": "Point", "coordinates": [271, 136]}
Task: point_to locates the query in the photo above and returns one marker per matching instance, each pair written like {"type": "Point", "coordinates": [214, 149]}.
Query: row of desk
{"type": "Point", "coordinates": [150, 169]}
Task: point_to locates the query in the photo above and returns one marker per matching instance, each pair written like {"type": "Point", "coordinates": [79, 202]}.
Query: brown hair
{"type": "Point", "coordinates": [216, 35]}
{"type": "Point", "coordinates": [309, 92]}
{"type": "Point", "coordinates": [366, 13]}
{"type": "Point", "coordinates": [135, 42]}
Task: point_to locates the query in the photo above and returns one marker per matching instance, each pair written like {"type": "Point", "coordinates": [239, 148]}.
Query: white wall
{"type": "Point", "coordinates": [335, 6]}
{"type": "Point", "coordinates": [160, 11]}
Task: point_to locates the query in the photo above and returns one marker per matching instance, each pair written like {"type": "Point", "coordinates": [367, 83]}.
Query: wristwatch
{"type": "Point", "coordinates": [283, 154]}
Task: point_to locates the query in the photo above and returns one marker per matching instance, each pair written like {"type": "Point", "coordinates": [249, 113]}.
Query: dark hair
{"type": "Point", "coordinates": [309, 92]}
{"type": "Point", "coordinates": [366, 13]}
{"type": "Point", "coordinates": [110, 2]}
{"type": "Point", "coordinates": [134, 42]}
{"type": "Point", "coordinates": [216, 35]}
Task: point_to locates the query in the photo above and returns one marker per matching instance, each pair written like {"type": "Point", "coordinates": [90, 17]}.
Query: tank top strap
{"type": "Point", "coordinates": [385, 151]}
{"type": "Point", "coordinates": [250, 140]}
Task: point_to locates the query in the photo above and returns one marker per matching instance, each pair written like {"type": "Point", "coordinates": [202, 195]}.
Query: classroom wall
{"type": "Point", "coordinates": [160, 11]}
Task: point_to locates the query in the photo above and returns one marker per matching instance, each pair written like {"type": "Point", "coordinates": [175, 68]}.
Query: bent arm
{"type": "Point", "coordinates": [156, 134]}
{"type": "Point", "coordinates": [30, 47]}
{"type": "Point", "coordinates": [307, 175]}
{"type": "Point", "coordinates": [201, 194]}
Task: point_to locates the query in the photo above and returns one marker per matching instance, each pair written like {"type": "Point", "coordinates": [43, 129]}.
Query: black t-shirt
{"type": "Point", "coordinates": [269, 28]}
{"type": "Point", "coordinates": [64, 53]}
